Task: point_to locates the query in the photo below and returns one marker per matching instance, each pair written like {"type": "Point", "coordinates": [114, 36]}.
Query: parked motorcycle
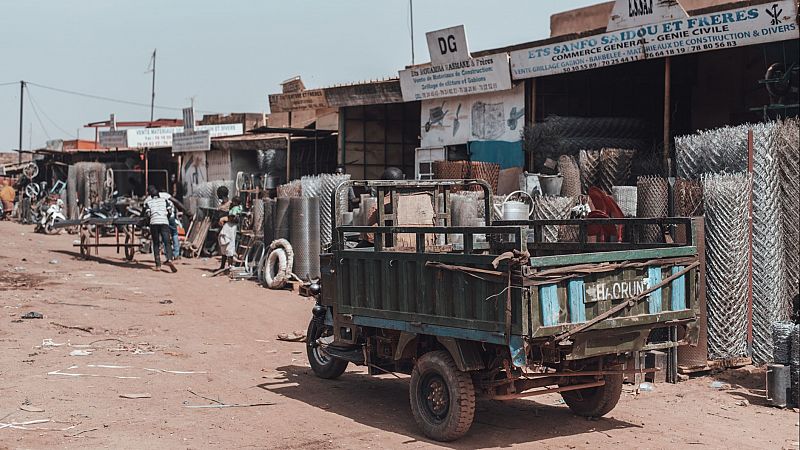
{"type": "Point", "coordinates": [53, 215]}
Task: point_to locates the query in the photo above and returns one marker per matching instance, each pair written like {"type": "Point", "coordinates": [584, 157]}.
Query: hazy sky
{"type": "Point", "coordinates": [229, 55]}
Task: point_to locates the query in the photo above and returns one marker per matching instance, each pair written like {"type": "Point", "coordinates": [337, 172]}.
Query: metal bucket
{"type": "Point", "coordinates": [778, 385]}
{"type": "Point", "coordinates": [529, 182]}
{"type": "Point", "coordinates": [514, 210]}
{"type": "Point", "coordinates": [551, 184]}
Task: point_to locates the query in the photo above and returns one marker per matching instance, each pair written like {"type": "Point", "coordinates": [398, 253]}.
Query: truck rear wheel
{"type": "Point", "coordinates": [323, 364]}
{"type": "Point", "coordinates": [442, 397]}
{"type": "Point", "coordinates": [596, 401]}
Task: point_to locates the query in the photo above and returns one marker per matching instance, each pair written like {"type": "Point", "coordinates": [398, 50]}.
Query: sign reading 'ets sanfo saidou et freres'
{"type": "Point", "coordinates": [767, 22]}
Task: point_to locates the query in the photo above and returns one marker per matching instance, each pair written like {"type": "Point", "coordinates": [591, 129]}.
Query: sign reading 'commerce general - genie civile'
{"type": "Point", "coordinates": [725, 29]}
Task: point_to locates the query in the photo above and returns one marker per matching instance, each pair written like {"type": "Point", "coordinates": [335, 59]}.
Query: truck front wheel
{"type": "Point", "coordinates": [596, 401]}
{"type": "Point", "coordinates": [442, 397]}
{"type": "Point", "coordinates": [323, 364]}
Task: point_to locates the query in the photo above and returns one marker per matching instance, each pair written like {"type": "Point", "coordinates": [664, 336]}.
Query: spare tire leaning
{"type": "Point", "coordinates": [277, 266]}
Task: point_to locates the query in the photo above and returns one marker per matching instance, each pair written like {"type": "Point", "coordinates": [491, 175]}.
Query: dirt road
{"type": "Point", "coordinates": [113, 330]}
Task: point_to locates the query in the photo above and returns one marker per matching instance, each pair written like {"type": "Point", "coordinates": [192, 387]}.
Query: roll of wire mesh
{"type": "Point", "coordinates": [283, 219]}
{"type": "Point", "coordinates": [589, 165]}
{"type": "Point", "coordinates": [489, 172]}
{"type": "Point", "coordinates": [328, 183]}
{"type": "Point", "coordinates": [72, 193]}
{"type": "Point", "coordinates": [269, 220]}
{"type": "Point", "coordinates": [782, 342]}
{"type": "Point", "coordinates": [712, 151]}
{"type": "Point", "coordinates": [89, 182]}
{"type": "Point", "coordinates": [615, 167]}
{"type": "Point", "coordinates": [465, 209]}
{"type": "Point", "coordinates": [552, 208]}
{"type": "Point", "coordinates": [689, 156]}
{"type": "Point", "coordinates": [688, 195]}
{"type": "Point", "coordinates": [568, 167]}
{"type": "Point", "coordinates": [451, 170]}
{"type": "Point", "coordinates": [257, 210]}
{"type": "Point", "coordinates": [768, 268]}
{"type": "Point", "coordinates": [311, 186]}
{"type": "Point", "coordinates": [726, 203]}
{"type": "Point", "coordinates": [652, 200]}
{"type": "Point", "coordinates": [788, 150]}
{"type": "Point", "coordinates": [626, 198]}
{"type": "Point", "coordinates": [293, 188]}
{"type": "Point", "coordinates": [794, 360]}
{"type": "Point", "coordinates": [304, 237]}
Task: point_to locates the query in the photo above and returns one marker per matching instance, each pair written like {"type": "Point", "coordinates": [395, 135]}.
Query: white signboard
{"type": "Point", "coordinates": [113, 139]}
{"type": "Point", "coordinates": [725, 29]}
{"type": "Point", "coordinates": [635, 13]}
{"type": "Point", "coordinates": [191, 141]}
{"type": "Point", "coordinates": [496, 116]}
{"type": "Point", "coordinates": [465, 77]}
{"type": "Point", "coordinates": [448, 45]}
{"type": "Point", "coordinates": [162, 137]}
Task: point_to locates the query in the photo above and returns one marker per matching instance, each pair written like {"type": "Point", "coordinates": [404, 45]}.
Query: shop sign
{"type": "Point", "coordinates": [162, 137]}
{"type": "Point", "coordinates": [448, 45]}
{"type": "Point", "coordinates": [767, 22]}
{"type": "Point", "coordinates": [310, 99]}
{"type": "Point", "coordinates": [496, 116]}
{"type": "Point", "coordinates": [635, 13]}
{"type": "Point", "coordinates": [191, 141]}
{"type": "Point", "coordinates": [113, 139]}
{"type": "Point", "coordinates": [464, 77]}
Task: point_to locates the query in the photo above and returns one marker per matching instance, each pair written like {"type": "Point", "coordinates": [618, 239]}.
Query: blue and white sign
{"type": "Point", "coordinates": [767, 22]}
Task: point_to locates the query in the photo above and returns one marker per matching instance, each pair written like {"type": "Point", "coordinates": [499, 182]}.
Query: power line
{"type": "Point", "coordinates": [36, 113]}
{"type": "Point", "coordinates": [44, 113]}
{"type": "Point", "coordinates": [9, 83]}
{"type": "Point", "coordinates": [109, 99]}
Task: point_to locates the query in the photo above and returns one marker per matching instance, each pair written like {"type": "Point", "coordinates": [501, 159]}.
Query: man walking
{"type": "Point", "coordinates": [159, 210]}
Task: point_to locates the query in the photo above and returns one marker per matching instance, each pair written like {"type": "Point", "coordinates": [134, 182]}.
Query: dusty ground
{"type": "Point", "coordinates": [216, 339]}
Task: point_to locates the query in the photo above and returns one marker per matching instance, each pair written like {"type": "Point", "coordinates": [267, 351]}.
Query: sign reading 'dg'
{"type": "Point", "coordinates": [767, 22]}
{"type": "Point", "coordinates": [448, 45]}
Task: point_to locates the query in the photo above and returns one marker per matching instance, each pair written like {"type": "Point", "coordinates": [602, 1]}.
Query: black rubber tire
{"type": "Point", "coordinates": [323, 365]}
{"type": "Point", "coordinates": [460, 399]}
{"type": "Point", "coordinates": [597, 401]}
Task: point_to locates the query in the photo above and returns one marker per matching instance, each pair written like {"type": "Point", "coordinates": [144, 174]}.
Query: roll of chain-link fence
{"type": "Point", "coordinates": [726, 202]}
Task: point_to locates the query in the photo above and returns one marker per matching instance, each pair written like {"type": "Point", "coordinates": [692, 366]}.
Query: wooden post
{"type": "Point", "coordinates": [288, 157]}
{"type": "Point", "coordinates": [750, 240]}
{"type": "Point", "coordinates": [146, 171]}
{"type": "Point", "coordinates": [667, 110]}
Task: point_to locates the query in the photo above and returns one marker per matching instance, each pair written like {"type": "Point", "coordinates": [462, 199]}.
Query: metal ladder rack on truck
{"type": "Point", "coordinates": [509, 320]}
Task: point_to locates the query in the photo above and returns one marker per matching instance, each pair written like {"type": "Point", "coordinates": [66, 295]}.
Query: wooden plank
{"type": "Point", "coordinates": [654, 299]}
{"type": "Point", "coordinates": [678, 288]}
{"type": "Point", "coordinates": [576, 295]}
{"type": "Point", "coordinates": [548, 301]}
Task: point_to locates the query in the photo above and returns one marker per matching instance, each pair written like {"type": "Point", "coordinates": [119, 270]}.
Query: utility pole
{"type": "Point", "coordinates": [411, 13]}
{"type": "Point", "coordinates": [21, 96]}
{"type": "Point", "coordinates": [153, 87]}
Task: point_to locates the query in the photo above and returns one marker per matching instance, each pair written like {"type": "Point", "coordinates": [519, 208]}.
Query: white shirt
{"type": "Point", "coordinates": [159, 210]}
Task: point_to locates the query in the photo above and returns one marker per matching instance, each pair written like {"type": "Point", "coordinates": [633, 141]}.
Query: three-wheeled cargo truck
{"type": "Point", "coordinates": [506, 313]}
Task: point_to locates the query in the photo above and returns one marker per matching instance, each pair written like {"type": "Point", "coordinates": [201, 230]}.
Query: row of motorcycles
{"type": "Point", "coordinates": [51, 211]}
